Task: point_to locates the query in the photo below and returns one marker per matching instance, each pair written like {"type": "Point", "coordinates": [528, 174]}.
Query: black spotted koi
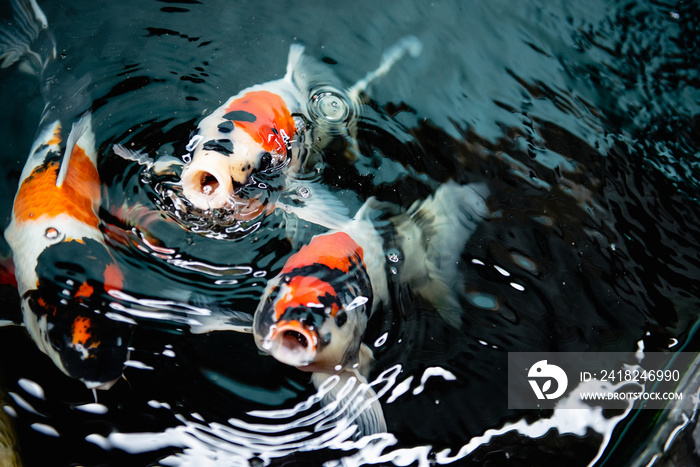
{"type": "Point", "coordinates": [313, 314]}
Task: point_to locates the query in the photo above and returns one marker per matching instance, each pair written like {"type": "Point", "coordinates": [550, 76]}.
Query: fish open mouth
{"type": "Point", "coordinates": [206, 181]}
{"type": "Point", "coordinates": [293, 343]}
{"type": "Point", "coordinates": [293, 338]}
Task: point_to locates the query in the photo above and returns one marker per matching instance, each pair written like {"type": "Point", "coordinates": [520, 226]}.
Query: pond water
{"type": "Point", "coordinates": [581, 118]}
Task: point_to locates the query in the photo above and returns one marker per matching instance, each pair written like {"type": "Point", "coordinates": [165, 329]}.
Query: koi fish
{"type": "Point", "coordinates": [314, 313]}
{"type": "Point", "coordinates": [259, 131]}
{"type": "Point", "coordinates": [62, 267]}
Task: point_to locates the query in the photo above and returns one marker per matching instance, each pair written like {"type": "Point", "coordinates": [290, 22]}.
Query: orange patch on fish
{"type": "Point", "coordinates": [85, 290]}
{"type": "Point", "coordinates": [303, 290]}
{"type": "Point", "coordinates": [45, 306]}
{"type": "Point", "coordinates": [337, 251]}
{"type": "Point", "coordinates": [79, 195]}
{"type": "Point", "coordinates": [56, 138]}
{"type": "Point", "coordinates": [81, 330]}
{"type": "Point", "coordinates": [114, 279]}
{"type": "Point", "coordinates": [265, 117]}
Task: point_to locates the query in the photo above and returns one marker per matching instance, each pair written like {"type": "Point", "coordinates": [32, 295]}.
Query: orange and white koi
{"type": "Point", "coordinates": [62, 267]}
{"type": "Point", "coordinates": [259, 131]}
{"type": "Point", "coordinates": [314, 313]}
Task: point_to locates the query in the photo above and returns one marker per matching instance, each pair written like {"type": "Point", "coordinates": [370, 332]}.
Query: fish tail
{"type": "Point", "coordinates": [19, 34]}
{"type": "Point", "coordinates": [410, 45]}
{"type": "Point", "coordinates": [445, 222]}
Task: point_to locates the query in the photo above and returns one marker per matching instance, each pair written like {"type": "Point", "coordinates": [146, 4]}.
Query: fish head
{"type": "Point", "coordinates": [248, 136]}
{"type": "Point", "coordinates": [315, 323]}
{"type": "Point", "coordinates": [66, 312]}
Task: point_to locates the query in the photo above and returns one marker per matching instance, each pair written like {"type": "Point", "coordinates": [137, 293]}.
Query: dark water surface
{"type": "Point", "coordinates": [582, 118]}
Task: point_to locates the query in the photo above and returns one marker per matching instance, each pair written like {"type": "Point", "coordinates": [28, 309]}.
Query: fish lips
{"type": "Point", "coordinates": [291, 342]}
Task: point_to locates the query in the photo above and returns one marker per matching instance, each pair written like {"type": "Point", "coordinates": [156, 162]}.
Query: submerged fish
{"type": "Point", "coordinates": [314, 313]}
{"type": "Point", "coordinates": [62, 267]}
{"type": "Point", "coordinates": [259, 131]}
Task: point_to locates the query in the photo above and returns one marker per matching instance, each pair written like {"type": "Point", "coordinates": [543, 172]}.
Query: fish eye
{"type": "Point", "coordinates": [265, 161]}
{"type": "Point", "coordinates": [341, 318]}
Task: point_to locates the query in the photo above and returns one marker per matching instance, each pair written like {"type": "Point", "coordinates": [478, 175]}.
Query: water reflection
{"type": "Point", "coordinates": [582, 120]}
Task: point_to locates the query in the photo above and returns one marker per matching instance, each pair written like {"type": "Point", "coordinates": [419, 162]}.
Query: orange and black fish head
{"type": "Point", "coordinates": [249, 137]}
{"type": "Point", "coordinates": [314, 317]}
{"type": "Point", "coordinates": [70, 307]}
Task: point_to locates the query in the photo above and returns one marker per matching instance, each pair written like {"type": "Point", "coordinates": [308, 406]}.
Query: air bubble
{"type": "Point", "coordinates": [52, 233]}
{"type": "Point", "coordinates": [330, 106]}
{"type": "Point", "coordinates": [304, 191]}
{"type": "Point", "coordinates": [393, 255]}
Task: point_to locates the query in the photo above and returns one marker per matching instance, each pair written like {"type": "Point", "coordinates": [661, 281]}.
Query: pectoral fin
{"type": "Point", "coordinates": [162, 166]}
{"type": "Point", "coordinates": [352, 400]}
{"type": "Point", "coordinates": [312, 202]}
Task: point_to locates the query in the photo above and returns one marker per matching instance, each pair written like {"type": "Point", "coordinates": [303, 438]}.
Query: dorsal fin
{"type": "Point", "coordinates": [79, 128]}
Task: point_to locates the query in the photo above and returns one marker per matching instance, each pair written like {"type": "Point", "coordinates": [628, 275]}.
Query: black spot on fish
{"type": "Point", "coordinates": [226, 127]}
{"type": "Point", "coordinates": [241, 116]}
{"type": "Point", "coordinates": [313, 317]}
{"type": "Point", "coordinates": [265, 161]}
{"type": "Point", "coordinates": [223, 146]}
{"type": "Point", "coordinates": [274, 130]}
{"type": "Point", "coordinates": [71, 296]}
{"type": "Point", "coordinates": [345, 284]}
